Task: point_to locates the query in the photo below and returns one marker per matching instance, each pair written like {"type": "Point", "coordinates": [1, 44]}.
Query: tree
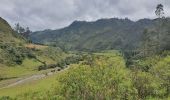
{"type": "Point", "coordinates": [145, 39]}
{"type": "Point", "coordinates": [147, 85]}
{"type": "Point", "coordinates": [149, 45]}
{"type": "Point", "coordinates": [159, 11]}
{"type": "Point", "coordinates": [27, 32]}
{"type": "Point", "coordinates": [17, 27]}
{"type": "Point", "coordinates": [162, 71]}
{"type": "Point", "coordinates": [28, 29]}
{"type": "Point", "coordinates": [21, 30]}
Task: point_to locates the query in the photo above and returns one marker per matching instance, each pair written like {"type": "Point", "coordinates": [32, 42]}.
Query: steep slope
{"type": "Point", "coordinates": [19, 58]}
{"type": "Point", "coordinates": [99, 35]}
{"type": "Point", "coordinates": [9, 44]}
{"type": "Point", "coordinates": [7, 35]}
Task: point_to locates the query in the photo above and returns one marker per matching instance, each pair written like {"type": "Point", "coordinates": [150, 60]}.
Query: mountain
{"type": "Point", "coordinates": [102, 34]}
{"type": "Point", "coordinates": [11, 45]}
{"type": "Point", "coordinates": [16, 50]}
{"type": "Point", "coordinates": [7, 34]}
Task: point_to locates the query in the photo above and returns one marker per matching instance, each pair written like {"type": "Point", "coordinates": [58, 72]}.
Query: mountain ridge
{"type": "Point", "coordinates": [107, 33]}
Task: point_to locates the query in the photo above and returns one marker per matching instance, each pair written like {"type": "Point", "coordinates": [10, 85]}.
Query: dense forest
{"type": "Point", "coordinates": [109, 59]}
{"type": "Point", "coordinates": [102, 34]}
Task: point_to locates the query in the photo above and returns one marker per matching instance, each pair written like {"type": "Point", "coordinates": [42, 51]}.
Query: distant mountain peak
{"type": "Point", "coordinates": [76, 22]}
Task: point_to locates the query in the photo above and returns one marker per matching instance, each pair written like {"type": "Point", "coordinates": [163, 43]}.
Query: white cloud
{"type": "Point", "coordinates": [43, 14]}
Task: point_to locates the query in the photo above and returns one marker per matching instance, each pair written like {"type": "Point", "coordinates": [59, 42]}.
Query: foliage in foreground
{"type": "Point", "coordinates": [106, 77]}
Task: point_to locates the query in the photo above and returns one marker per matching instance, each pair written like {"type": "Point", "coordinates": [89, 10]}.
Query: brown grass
{"type": "Point", "coordinates": [35, 46]}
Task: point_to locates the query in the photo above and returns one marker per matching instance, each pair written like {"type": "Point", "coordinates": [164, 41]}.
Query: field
{"type": "Point", "coordinates": [100, 75]}
{"type": "Point", "coordinates": [29, 66]}
{"type": "Point", "coordinates": [45, 83]}
{"type": "Point", "coordinates": [33, 86]}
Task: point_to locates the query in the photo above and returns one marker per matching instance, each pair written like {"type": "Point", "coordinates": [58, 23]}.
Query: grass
{"type": "Point", "coordinates": [104, 64]}
{"type": "Point", "coordinates": [34, 86]}
{"type": "Point", "coordinates": [48, 82]}
{"type": "Point", "coordinates": [46, 60]}
{"type": "Point", "coordinates": [28, 67]}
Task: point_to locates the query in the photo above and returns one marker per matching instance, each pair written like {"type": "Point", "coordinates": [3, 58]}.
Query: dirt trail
{"type": "Point", "coordinates": [31, 78]}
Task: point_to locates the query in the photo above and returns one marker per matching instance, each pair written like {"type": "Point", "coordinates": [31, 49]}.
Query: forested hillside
{"type": "Point", "coordinates": [99, 35]}
{"type": "Point", "coordinates": [120, 34]}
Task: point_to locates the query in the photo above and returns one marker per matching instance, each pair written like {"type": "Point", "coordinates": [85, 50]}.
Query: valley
{"type": "Point", "coordinates": [106, 59]}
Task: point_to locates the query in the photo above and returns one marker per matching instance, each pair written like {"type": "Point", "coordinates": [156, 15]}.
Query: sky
{"type": "Point", "coordinates": [55, 14]}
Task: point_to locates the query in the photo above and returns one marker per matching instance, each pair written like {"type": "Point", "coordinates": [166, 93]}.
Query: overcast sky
{"type": "Point", "coordinates": [54, 14]}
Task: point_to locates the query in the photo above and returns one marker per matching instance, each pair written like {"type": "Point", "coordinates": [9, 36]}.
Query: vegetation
{"type": "Point", "coordinates": [19, 58]}
{"type": "Point", "coordinates": [107, 78]}
{"type": "Point", "coordinates": [25, 32]}
{"type": "Point", "coordinates": [137, 69]}
{"type": "Point", "coordinates": [103, 34]}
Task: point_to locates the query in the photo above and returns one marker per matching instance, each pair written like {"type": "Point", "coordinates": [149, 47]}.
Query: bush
{"type": "Point", "coordinates": [13, 55]}
{"type": "Point", "coordinates": [106, 80]}
{"type": "Point", "coordinates": [147, 85]}
{"type": "Point", "coordinates": [6, 98]}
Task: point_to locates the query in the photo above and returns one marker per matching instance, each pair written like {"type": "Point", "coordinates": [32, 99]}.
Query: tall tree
{"type": "Point", "coordinates": [17, 27]}
{"type": "Point", "coordinates": [27, 32]}
{"type": "Point", "coordinates": [160, 11]}
{"type": "Point", "coordinates": [149, 44]}
{"type": "Point", "coordinates": [21, 30]}
{"type": "Point", "coordinates": [145, 39]}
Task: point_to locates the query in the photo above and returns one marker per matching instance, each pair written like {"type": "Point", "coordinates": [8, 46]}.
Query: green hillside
{"type": "Point", "coordinates": [19, 58]}
{"type": "Point", "coordinates": [99, 35]}
{"type": "Point", "coordinates": [9, 43]}
{"type": "Point", "coordinates": [7, 35]}
{"type": "Point", "coordinates": [119, 34]}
